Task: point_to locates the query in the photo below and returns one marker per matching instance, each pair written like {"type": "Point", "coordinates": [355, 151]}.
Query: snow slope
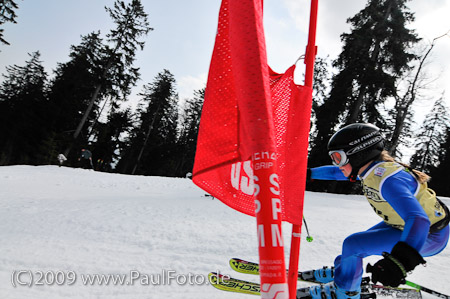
{"type": "Point", "coordinates": [59, 225]}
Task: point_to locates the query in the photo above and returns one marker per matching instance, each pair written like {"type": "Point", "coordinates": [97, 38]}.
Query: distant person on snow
{"type": "Point", "coordinates": [415, 222]}
{"type": "Point", "coordinates": [86, 159]}
{"type": "Point", "coordinates": [61, 159]}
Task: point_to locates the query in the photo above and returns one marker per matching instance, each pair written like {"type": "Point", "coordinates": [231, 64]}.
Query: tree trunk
{"type": "Point", "coordinates": [403, 104]}
{"type": "Point", "coordinates": [356, 111]}
{"type": "Point", "coordinates": [150, 128]}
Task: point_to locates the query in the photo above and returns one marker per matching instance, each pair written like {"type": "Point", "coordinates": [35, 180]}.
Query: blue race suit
{"type": "Point", "coordinates": [399, 191]}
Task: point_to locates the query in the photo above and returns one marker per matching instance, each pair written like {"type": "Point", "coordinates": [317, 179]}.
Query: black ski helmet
{"type": "Point", "coordinates": [360, 142]}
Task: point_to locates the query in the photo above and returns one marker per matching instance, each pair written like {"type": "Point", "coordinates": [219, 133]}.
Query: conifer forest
{"type": "Point", "coordinates": [378, 77]}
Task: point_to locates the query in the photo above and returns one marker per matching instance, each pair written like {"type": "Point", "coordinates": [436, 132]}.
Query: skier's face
{"type": "Point", "coordinates": [346, 169]}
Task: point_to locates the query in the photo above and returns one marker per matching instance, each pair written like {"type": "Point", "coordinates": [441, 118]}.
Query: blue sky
{"type": "Point", "coordinates": [183, 35]}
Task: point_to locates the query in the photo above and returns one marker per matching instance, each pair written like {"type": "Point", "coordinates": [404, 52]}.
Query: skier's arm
{"type": "Point", "coordinates": [330, 173]}
{"type": "Point", "coordinates": [398, 191]}
{"type": "Point", "coordinates": [391, 270]}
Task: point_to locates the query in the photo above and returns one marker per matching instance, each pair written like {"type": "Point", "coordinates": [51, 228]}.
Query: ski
{"type": "Point", "coordinates": [230, 284]}
{"type": "Point", "coordinates": [246, 267]}
{"type": "Point", "coordinates": [427, 290]}
{"type": "Point", "coordinates": [393, 292]}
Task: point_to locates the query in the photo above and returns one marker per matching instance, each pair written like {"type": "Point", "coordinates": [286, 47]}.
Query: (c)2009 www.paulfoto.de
{"type": "Point", "coordinates": [29, 278]}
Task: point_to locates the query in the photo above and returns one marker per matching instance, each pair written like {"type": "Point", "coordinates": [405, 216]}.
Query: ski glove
{"type": "Point", "coordinates": [392, 269]}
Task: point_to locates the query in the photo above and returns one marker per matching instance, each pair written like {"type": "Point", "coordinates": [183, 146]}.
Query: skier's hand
{"type": "Point", "coordinates": [392, 269]}
{"type": "Point", "coordinates": [387, 271]}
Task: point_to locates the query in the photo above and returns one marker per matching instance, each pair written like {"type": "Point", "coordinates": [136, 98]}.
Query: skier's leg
{"type": "Point", "coordinates": [349, 265]}
{"type": "Point", "coordinates": [436, 242]}
{"type": "Point", "coordinates": [326, 274]}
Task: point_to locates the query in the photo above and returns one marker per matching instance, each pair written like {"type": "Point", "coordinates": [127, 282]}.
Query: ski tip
{"type": "Point", "coordinates": [216, 279]}
{"type": "Point", "coordinates": [218, 275]}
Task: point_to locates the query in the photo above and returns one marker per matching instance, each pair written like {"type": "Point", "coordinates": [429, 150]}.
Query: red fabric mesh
{"type": "Point", "coordinates": [248, 108]}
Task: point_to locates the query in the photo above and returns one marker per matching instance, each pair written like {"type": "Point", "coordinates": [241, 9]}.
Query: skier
{"type": "Point", "coordinates": [86, 159]}
{"type": "Point", "coordinates": [415, 222]}
{"type": "Point", "coordinates": [61, 159]}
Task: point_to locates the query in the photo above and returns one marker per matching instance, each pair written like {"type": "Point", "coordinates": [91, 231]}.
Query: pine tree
{"type": "Point", "coordinates": [187, 141]}
{"type": "Point", "coordinates": [375, 54]}
{"type": "Point", "coordinates": [402, 123]}
{"type": "Point", "coordinates": [431, 136]}
{"type": "Point", "coordinates": [152, 142]}
{"type": "Point", "coordinates": [23, 103]}
{"type": "Point", "coordinates": [320, 91]}
{"type": "Point", "coordinates": [7, 14]}
{"type": "Point", "coordinates": [108, 139]}
{"type": "Point", "coordinates": [406, 95]}
{"type": "Point", "coordinates": [131, 25]}
{"type": "Point", "coordinates": [70, 93]}
{"type": "Point", "coordinates": [439, 174]}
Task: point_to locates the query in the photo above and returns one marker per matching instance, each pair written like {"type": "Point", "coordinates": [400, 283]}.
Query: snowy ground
{"type": "Point", "coordinates": [60, 225]}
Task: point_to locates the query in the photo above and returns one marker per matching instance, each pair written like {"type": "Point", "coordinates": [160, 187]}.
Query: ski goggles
{"type": "Point", "coordinates": [339, 157]}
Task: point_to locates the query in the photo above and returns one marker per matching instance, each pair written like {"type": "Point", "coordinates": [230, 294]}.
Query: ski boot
{"type": "Point", "coordinates": [323, 275]}
{"type": "Point", "coordinates": [327, 291]}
